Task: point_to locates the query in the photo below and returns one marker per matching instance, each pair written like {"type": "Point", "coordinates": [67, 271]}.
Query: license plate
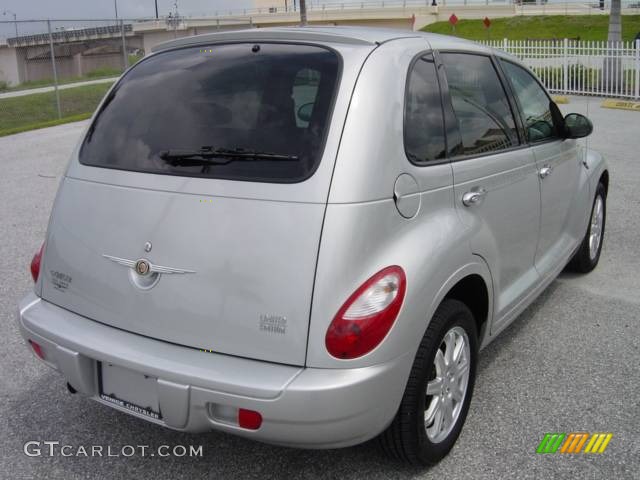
{"type": "Point", "coordinates": [129, 389]}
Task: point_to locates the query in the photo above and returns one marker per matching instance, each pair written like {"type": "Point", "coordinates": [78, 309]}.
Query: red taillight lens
{"type": "Point", "coordinates": [35, 264]}
{"type": "Point", "coordinates": [367, 316]}
{"type": "Point", "coordinates": [37, 349]}
{"type": "Point", "coordinates": [249, 419]}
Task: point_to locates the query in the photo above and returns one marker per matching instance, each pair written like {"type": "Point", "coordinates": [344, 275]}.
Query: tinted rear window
{"type": "Point", "coordinates": [273, 98]}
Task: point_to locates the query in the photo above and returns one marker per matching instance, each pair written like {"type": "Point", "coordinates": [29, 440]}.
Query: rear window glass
{"type": "Point", "coordinates": [240, 111]}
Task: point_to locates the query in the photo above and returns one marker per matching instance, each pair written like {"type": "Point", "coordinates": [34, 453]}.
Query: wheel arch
{"type": "Point", "coordinates": [471, 285]}
{"type": "Point", "coordinates": [604, 179]}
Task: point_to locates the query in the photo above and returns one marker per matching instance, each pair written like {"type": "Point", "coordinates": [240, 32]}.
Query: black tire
{"type": "Point", "coordinates": [406, 438]}
{"type": "Point", "coordinates": [582, 262]}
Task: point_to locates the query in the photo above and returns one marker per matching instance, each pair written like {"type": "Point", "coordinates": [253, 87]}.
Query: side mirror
{"type": "Point", "coordinates": [577, 126]}
{"type": "Point", "coordinates": [305, 111]}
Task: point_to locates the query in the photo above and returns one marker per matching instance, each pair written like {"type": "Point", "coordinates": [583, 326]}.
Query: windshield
{"type": "Point", "coordinates": [271, 98]}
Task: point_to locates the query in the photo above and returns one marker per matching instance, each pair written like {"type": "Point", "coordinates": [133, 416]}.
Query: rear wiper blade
{"type": "Point", "coordinates": [219, 156]}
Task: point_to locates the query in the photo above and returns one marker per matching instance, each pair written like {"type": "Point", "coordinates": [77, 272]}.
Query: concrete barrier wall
{"type": "Point", "coordinates": [89, 63]}
{"type": "Point", "coordinates": [9, 66]}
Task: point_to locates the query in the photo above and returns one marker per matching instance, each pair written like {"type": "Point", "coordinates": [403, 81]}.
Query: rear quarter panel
{"type": "Point", "coordinates": [363, 231]}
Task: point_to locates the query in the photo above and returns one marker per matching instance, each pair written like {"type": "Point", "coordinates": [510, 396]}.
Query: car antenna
{"type": "Point", "coordinates": [586, 140]}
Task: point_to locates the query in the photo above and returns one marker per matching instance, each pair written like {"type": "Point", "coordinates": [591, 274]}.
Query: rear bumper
{"type": "Point", "coordinates": [301, 407]}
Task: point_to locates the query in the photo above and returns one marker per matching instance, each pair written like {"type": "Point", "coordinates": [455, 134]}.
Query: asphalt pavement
{"type": "Point", "coordinates": [570, 363]}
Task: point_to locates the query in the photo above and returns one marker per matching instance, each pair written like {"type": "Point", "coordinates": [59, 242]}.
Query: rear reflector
{"type": "Point", "coordinates": [37, 349]}
{"type": "Point", "coordinates": [35, 263]}
{"type": "Point", "coordinates": [249, 419]}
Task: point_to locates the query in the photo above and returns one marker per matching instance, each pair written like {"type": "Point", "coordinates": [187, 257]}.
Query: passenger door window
{"type": "Point", "coordinates": [534, 103]}
{"type": "Point", "coordinates": [424, 137]}
{"type": "Point", "coordinates": [479, 101]}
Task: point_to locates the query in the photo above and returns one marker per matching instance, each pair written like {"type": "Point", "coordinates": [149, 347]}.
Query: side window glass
{"type": "Point", "coordinates": [305, 91]}
{"type": "Point", "coordinates": [424, 137]}
{"type": "Point", "coordinates": [484, 117]}
{"type": "Point", "coordinates": [534, 102]}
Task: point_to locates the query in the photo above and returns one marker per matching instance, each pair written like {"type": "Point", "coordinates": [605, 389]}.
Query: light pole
{"type": "Point", "coordinates": [115, 6]}
{"type": "Point", "coordinates": [156, 9]}
{"type": "Point", "coordinates": [15, 20]}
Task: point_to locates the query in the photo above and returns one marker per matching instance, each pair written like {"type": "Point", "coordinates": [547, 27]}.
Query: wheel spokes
{"type": "Point", "coordinates": [439, 363]}
{"type": "Point", "coordinates": [434, 387]}
{"type": "Point", "coordinates": [450, 345]}
{"type": "Point", "coordinates": [446, 391]}
{"type": "Point", "coordinates": [430, 413]}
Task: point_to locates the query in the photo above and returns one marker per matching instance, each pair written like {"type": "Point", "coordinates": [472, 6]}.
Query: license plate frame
{"type": "Point", "coordinates": [129, 389]}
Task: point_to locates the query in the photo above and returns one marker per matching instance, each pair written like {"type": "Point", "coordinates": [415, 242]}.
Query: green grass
{"type": "Point", "coordinates": [585, 27]}
{"type": "Point", "coordinates": [29, 112]}
{"type": "Point", "coordinates": [51, 123]}
{"type": "Point", "coordinates": [48, 82]}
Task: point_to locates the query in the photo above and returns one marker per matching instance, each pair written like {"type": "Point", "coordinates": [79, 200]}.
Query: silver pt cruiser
{"type": "Point", "coordinates": [304, 236]}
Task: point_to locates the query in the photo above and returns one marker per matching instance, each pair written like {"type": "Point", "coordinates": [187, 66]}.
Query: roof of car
{"type": "Point", "coordinates": [321, 34]}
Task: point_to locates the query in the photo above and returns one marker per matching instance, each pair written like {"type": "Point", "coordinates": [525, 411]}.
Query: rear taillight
{"type": "Point", "coordinates": [367, 316]}
{"type": "Point", "coordinates": [35, 264]}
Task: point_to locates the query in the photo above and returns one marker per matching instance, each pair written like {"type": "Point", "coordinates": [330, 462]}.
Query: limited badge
{"type": "Point", "coordinates": [273, 324]}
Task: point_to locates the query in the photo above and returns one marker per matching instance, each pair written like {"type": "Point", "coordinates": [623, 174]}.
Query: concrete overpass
{"type": "Point", "coordinates": [394, 14]}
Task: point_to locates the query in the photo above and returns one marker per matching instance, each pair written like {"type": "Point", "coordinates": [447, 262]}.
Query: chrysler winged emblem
{"type": "Point", "coordinates": [144, 267]}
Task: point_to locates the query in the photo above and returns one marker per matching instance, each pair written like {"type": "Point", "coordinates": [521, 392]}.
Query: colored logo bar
{"type": "Point", "coordinates": [574, 442]}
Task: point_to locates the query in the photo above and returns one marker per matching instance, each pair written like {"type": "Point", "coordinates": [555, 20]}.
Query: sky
{"type": "Point", "coordinates": [103, 9]}
{"type": "Point", "coordinates": [42, 9]}
{"type": "Point", "coordinates": [65, 9]}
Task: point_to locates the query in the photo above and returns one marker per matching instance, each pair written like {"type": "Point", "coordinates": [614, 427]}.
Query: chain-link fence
{"type": "Point", "coordinates": [54, 71]}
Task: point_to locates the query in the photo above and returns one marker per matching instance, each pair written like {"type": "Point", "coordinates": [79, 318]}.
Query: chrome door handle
{"type": "Point", "coordinates": [545, 171]}
{"type": "Point", "coordinates": [473, 197]}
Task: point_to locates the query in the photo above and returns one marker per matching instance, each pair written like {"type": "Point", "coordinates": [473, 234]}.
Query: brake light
{"type": "Point", "coordinates": [367, 316]}
{"type": "Point", "coordinates": [35, 263]}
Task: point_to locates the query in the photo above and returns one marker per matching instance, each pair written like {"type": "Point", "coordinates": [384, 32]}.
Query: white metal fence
{"type": "Point", "coordinates": [608, 69]}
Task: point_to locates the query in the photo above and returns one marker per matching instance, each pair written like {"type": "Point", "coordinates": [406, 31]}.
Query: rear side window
{"type": "Point", "coordinates": [424, 137]}
{"type": "Point", "coordinates": [480, 103]}
{"type": "Point", "coordinates": [270, 103]}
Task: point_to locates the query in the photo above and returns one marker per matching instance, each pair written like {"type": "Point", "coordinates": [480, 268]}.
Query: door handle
{"type": "Point", "coordinates": [473, 197]}
{"type": "Point", "coordinates": [545, 171]}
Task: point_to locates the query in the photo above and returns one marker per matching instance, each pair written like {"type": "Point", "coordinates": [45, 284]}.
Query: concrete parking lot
{"type": "Point", "coordinates": [569, 363]}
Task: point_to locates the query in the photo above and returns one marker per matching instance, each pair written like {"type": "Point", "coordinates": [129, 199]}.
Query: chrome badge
{"type": "Point", "coordinates": [142, 267]}
{"type": "Point", "coordinates": [144, 274]}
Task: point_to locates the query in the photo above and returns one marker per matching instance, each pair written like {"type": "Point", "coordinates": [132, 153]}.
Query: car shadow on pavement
{"type": "Point", "coordinates": [513, 332]}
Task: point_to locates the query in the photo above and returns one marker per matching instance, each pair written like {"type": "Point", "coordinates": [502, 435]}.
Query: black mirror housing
{"type": "Point", "coordinates": [305, 112]}
{"type": "Point", "coordinates": [577, 126]}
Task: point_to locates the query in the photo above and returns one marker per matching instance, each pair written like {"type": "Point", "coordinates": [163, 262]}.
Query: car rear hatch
{"type": "Point", "coordinates": [192, 211]}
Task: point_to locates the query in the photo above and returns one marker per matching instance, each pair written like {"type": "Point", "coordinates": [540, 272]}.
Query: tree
{"type": "Point", "coordinates": [615, 22]}
{"type": "Point", "coordinates": [612, 66]}
{"type": "Point", "coordinates": [303, 12]}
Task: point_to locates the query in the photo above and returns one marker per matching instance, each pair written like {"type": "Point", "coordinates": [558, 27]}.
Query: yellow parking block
{"type": "Point", "coordinates": [560, 99]}
{"type": "Point", "coordinates": [621, 104]}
